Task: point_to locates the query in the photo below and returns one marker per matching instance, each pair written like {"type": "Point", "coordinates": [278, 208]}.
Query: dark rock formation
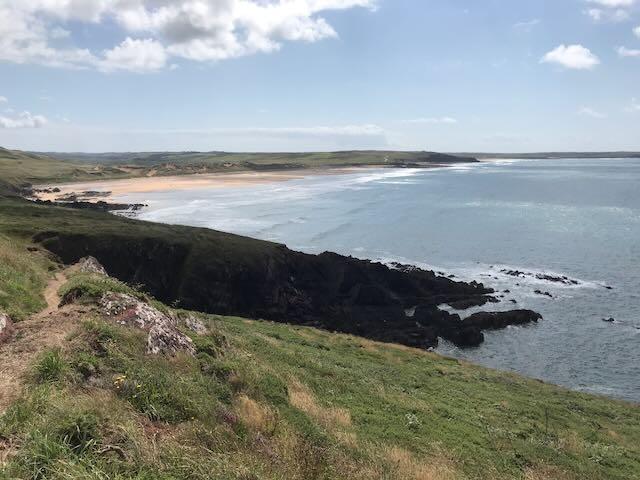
{"type": "Point", "coordinates": [473, 302]}
{"type": "Point", "coordinates": [213, 272]}
{"type": "Point", "coordinates": [563, 279]}
{"type": "Point", "coordinates": [498, 320]}
{"type": "Point", "coordinates": [544, 294]}
{"type": "Point", "coordinates": [100, 205]}
{"type": "Point", "coordinates": [468, 332]}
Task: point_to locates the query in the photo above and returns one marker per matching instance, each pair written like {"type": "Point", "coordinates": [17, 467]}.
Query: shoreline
{"type": "Point", "coordinates": [118, 189]}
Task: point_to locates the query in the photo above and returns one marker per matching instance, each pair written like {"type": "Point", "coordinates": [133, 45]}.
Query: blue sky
{"type": "Point", "coordinates": [293, 75]}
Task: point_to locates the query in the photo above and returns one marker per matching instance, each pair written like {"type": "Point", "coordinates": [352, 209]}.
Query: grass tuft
{"type": "Point", "coordinates": [51, 367]}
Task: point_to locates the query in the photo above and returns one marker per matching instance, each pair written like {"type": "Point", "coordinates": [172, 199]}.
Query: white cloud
{"type": "Point", "coordinates": [4, 99]}
{"type": "Point", "coordinates": [613, 3]}
{"type": "Point", "coordinates": [636, 31]}
{"type": "Point", "coordinates": [628, 52]}
{"type": "Point", "coordinates": [590, 112]}
{"type": "Point", "coordinates": [155, 30]}
{"type": "Point", "coordinates": [136, 56]}
{"type": "Point", "coordinates": [572, 56]}
{"type": "Point", "coordinates": [432, 120]}
{"type": "Point", "coordinates": [601, 15]}
{"type": "Point", "coordinates": [610, 10]}
{"type": "Point", "coordinates": [24, 120]}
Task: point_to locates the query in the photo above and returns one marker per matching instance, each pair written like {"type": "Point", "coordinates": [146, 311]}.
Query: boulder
{"type": "Point", "coordinates": [498, 320]}
{"type": "Point", "coordinates": [546, 294]}
{"type": "Point", "coordinates": [6, 327]}
{"type": "Point", "coordinates": [91, 265]}
{"type": "Point", "coordinates": [472, 301]}
{"type": "Point", "coordinates": [164, 337]}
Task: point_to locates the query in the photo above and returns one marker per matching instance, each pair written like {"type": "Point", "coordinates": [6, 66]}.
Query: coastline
{"type": "Point", "coordinates": [117, 189]}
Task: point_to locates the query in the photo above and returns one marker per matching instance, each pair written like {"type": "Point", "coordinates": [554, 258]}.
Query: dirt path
{"type": "Point", "coordinates": [43, 330]}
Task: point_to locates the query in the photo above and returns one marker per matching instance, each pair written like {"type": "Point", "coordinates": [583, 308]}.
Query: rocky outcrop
{"type": "Point", "coordinates": [499, 320]}
{"type": "Point", "coordinates": [562, 279]}
{"type": "Point", "coordinates": [468, 332]}
{"type": "Point", "coordinates": [100, 205]}
{"type": "Point", "coordinates": [164, 337]}
{"type": "Point", "coordinates": [213, 272]}
{"type": "Point", "coordinates": [6, 327]}
{"type": "Point", "coordinates": [91, 265]}
{"type": "Point", "coordinates": [194, 324]}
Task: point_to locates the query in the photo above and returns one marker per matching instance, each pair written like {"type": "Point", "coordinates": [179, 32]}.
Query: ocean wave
{"type": "Point", "coordinates": [269, 229]}
{"type": "Point", "coordinates": [513, 292]}
{"type": "Point", "coordinates": [327, 233]}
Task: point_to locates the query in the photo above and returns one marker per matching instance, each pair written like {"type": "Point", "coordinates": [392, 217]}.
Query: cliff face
{"type": "Point", "coordinates": [216, 272]}
{"type": "Point", "coordinates": [233, 275]}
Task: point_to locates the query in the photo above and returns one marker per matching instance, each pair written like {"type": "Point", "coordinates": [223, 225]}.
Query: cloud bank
{"type": "Point", "coordinates": [23, 120]}
{"type": "Point", "coordinates": [156, 31]}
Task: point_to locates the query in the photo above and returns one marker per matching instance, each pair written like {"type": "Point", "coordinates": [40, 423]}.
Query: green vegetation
{"type": "Point", "coordinates": [22, 278]}
{"type": "Point", "coordinates": [51, 367]}
{"type": "Point", "coordinates": [91, 287]}
{"type": "Point", "coordinates": [227, 160]}
{"type": "Point", "coordinates": [270, 401]}
{"type": "Point", "coordinates": [19, 168]}
{"type": "Point", "coordinates": [264, 400]}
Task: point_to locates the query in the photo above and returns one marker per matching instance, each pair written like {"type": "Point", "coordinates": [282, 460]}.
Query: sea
{"type": "Point", "coordinates": [508, 224]}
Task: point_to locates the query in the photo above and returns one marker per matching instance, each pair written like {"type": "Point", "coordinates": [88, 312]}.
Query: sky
{"type": "Point", "coordinates": [317, 75]}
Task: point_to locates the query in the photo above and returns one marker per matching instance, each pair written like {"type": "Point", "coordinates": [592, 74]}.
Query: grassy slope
{"type": "Point", "coordinates": [265, 400]}
{"type": "Point", "coordinates": [22, 278]}
{"type": "Point", "coordinates": [218, 159]}
{"type": "Point", "coordinates": [18, 168]}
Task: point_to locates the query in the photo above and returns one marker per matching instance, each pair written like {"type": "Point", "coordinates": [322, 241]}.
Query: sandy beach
{"type": "Point", "coordinates": [118, 189]}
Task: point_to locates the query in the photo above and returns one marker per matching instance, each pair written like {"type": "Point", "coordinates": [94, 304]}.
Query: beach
{"type": "Point", "coordinates": [119, 188]}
